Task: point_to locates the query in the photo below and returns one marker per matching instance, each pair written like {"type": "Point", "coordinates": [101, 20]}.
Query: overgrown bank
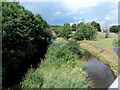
{"type": "Point", "coordinates": [62, 68]}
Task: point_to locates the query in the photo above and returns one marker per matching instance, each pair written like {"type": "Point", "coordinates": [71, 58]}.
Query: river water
{"type": "Point", "coordinates": [100, 75]}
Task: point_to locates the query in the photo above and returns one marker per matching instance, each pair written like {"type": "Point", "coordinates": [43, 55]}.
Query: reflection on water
{"type": "Point", "coordinates": [99, 73]}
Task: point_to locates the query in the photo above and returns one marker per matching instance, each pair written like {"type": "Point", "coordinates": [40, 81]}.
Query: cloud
{"type": "Point", "coordinates": [57, 13]}
{"type": "Point", "coordinates": [72, 12]}
{"type": "Point", "coordinates": [107, 18]}
{"type": "Point", "coordinates": [75, 5]}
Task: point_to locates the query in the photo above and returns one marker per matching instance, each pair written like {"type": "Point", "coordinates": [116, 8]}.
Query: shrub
{"type": "Point", "coordinates": [115, 29]}
{"type": "Point", "coordinates": [74, 47]}
{"type": "Point", "coordinates": [59, 53]}
{"type": "Point", "coordinates": [85, 31]}
{"type": "Point", "coordinates": [116, 43]}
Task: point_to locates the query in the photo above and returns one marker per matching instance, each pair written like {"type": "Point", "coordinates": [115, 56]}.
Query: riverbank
{"type": "Point", "coordinates": [61, 68]}
{"type": "Point", "coordinates": [107, 56]}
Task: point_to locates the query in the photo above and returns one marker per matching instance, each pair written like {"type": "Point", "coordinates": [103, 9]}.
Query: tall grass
{"type": "Point", "coordinates": [61, 69]}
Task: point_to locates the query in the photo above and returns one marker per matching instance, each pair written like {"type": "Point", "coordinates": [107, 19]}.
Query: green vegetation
{"type": "Point", "coordinates": [116, 42]}
{"type": "Point", "coordinates": [26, 42]}
{"type": "Point", "coordinates": [96, 25]}
{"type": "Point", "coordinates": [24, 35]}
{"type": "Point", "coordinates": [115, 29]}
{"type": "Point", "coordinates": [85, 31]}
{"type": "Point", "coordinates": [103, 42]}
{"type": "Point", "coordinates": [63, 31]}
{"type": "Point", "coordinates": [60, 69]}
{"type": "Point", "coordinates": [66, 31]}
{"type": "Point", "coordinates": [57, 29]}
{"type": "Point", "coordinates": [102, 49]}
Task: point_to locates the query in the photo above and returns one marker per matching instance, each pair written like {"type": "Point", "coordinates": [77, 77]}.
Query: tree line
{"type": "Point", "coordinates": [78, 31]}
{"type": "Point", "coordinates": [25, 38]}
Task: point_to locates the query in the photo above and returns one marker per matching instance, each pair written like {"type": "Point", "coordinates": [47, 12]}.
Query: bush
{"type": "Point", "coordinates": [74, 47]}
{"type": "Point", "coordinates": [85, 31]}
{"type": "Point", "coordinates": [59, 53]}
{"type": "Point", "coordinates": [116, 43]}
{"type": "Point", "coordinates": [114, 29]}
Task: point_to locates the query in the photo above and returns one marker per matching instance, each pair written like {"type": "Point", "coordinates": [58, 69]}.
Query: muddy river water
{"type": "Point", "coordinates": [100, 75]}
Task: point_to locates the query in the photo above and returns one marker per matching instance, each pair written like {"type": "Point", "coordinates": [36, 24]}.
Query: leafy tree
{"type": "Point", "coordinates": [115, 29]}
{"type": "Point", "coordinates": [25, 38]}
{"type": "Point", "coordinates": [85, 31]}
{"type": "Point", "coordinates": [57, 29]}
{"type": "Point", "coordinates": [66, 31]}
{"type": "Point", "coordinates": [96, 25]}
{"type": "Point", "coordinates": [74, 27]}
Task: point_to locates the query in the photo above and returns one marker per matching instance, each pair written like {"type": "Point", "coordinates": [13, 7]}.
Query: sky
{"type": "Point", "coordinates": [57, 12]}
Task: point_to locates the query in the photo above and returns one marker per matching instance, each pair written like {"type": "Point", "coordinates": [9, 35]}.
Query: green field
{"type": "Point", "coordinates": [104, 42]}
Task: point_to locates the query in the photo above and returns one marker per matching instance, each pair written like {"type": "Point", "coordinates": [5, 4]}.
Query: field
{"type": "Point", "coordinates": [104, 42]}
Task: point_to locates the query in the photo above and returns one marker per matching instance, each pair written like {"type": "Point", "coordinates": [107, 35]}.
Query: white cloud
{"type": "Point", "coordinates": [57, 13]}
{"type": "Point", "coordinates": [75, 5]}
{"type": "Point", "coordinates": [107, 18]}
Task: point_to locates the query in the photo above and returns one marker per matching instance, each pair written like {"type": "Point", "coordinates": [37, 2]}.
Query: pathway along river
{"type": "Point", "coordinates": [100, 75]}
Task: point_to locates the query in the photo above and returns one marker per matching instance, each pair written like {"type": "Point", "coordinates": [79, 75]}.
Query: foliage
{"type": "Point", "coordinates": [96, 25]}
{"type": "Point", "coordinates": [116, 42]}
{"type": "Point", "coordinates": [114, 29]}
{"type": "Point", "coordinates": [85, 31]}
{"type": "Point", "coordinates": [59, 53]}
{"type": "Point", "coordinates": [57, 29]}
{"type": "Point", "coordinates": [74, 47]}
{"type": "Point", "coordinates": [24, 35]}
{"type": "Point", "coordinates": [66, 31]}
{"type": "Point", "coordinates": [35, 80]}
{"type": "Point", "coordinates": [74, 27]}
{"type": "Point", "coordinates": [67, 72]}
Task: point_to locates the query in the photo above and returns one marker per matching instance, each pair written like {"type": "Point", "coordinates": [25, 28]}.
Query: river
{"type": "Point", "coordinates": [100, 75]}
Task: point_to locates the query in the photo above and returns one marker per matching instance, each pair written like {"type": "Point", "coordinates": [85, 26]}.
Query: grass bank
{"type": "Point", "coordinates": [102, 49]}
{"type": "Point", "coordinates": [62, 68]}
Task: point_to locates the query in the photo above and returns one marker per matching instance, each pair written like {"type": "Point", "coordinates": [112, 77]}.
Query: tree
{"type": "Point", "coordinates": [66, 31]}
{"type": "Point", "coordinates": [96, 25]}
{"type": "Point", "coordinates": [74, 27]}
{"type": "Point", "coordinates": [57, 29]}
{"type": "Point", "coordinates": [25, 39]}
{"type": "Point", "coordinates": [115, 29]}
{"type": "Point", "coordinates": [85, 31]}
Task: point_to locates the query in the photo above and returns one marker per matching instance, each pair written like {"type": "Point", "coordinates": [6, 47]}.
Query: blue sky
{"type": "Point", "coordinates": [74, 11]}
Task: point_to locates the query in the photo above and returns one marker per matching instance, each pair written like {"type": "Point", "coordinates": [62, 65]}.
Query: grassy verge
{"type": "Point", "coordinates": [61, 68]}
